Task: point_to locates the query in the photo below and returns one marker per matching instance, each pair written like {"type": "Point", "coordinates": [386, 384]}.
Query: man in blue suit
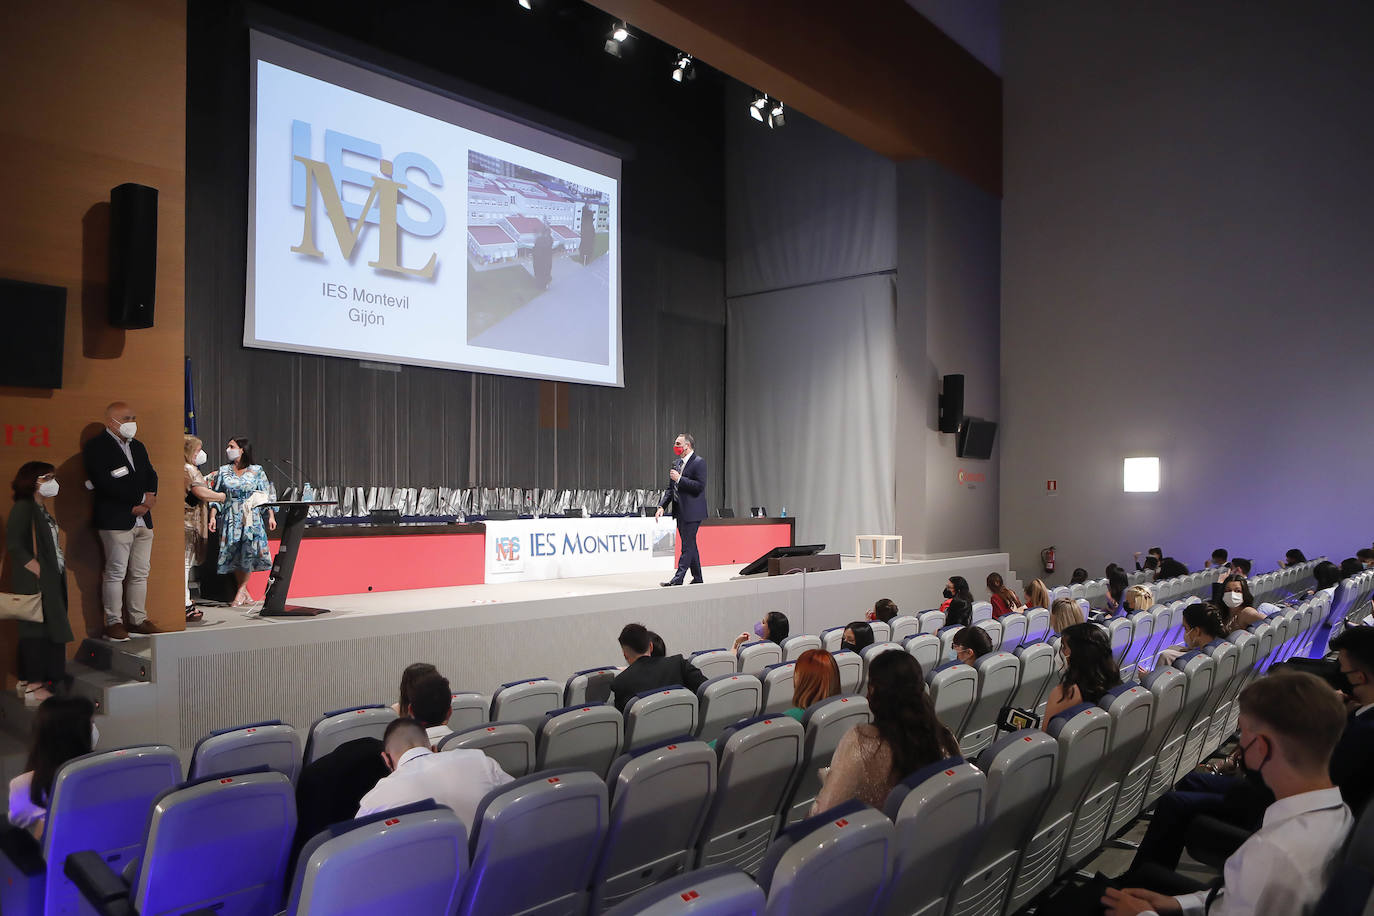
{"type": "Point", "coordinates": [686, 496]}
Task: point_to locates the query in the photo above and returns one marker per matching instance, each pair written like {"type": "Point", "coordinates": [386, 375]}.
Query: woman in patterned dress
{"type": "Point", "coordinates": [242, 535]}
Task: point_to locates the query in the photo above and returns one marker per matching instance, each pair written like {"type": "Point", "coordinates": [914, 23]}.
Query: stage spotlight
{"type": "Point", "coordinates": [775, 117]}
{"type": "Point", "coordinates": [684, 68]}
{"type": "Point", "coordinates": [618, 34]}
{"type": "Point", "coordinates": [525, 4]}
{"type": "Point", "coordinates": [758, 106]}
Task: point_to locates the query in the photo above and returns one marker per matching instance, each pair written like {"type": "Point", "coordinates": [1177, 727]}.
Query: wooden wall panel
{"type": "Point", "coordinates": [94, 97]}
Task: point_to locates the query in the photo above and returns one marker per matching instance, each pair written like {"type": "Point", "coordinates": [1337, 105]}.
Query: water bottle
{"type": "Point", "coordinates": [784, 512]}
{"type": "Point", "coordinates": [308, 492]}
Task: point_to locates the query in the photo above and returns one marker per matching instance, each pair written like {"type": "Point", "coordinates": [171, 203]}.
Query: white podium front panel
{"type": "Point", "coordinates": [562, 548]}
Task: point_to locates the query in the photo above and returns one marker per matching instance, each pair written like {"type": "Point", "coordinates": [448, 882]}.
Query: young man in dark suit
{"type": "Point", "coordinates": [686, 495]}
{"type": "Point", "coordinates": [125, 487]}
{"type": "Point", "coordinates": [646, 671]}
{"type": "Point", "coordinates": [1352, 763]}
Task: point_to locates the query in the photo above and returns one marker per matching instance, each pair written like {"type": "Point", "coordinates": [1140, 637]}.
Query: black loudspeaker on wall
{"type": "Point", "coordinates": [951, 403]}
{"type": "Point", "coordinates": [133, 255]}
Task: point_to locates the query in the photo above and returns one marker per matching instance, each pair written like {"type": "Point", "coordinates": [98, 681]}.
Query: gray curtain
{"type": "Point", "coordinates": [810, 411]}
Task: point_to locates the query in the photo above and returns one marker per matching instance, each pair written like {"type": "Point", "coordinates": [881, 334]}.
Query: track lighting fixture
{"type": "Point", "coordinates": [684, 68]}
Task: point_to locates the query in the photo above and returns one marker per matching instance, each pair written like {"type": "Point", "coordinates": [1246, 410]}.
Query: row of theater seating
{"type": "Point", "coordinates": [1037, 804]}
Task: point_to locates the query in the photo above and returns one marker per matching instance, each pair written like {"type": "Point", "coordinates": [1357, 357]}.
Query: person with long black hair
{"type": "Point", "coordinates": [242, 536]}
{"type": "Point", "coordinates": [1089, 670]}
{"type": "Point", "coordinates": [62, 729]}
{"type": "Point", "coordinates": [904, 736]}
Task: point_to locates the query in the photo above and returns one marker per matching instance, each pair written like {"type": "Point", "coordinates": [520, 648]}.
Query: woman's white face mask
{"type": "Point", "coordinates": [1233, 599]}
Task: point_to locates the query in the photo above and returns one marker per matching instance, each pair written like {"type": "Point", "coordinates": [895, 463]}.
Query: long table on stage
{"type": "Point", "coordinates": [354, 559]}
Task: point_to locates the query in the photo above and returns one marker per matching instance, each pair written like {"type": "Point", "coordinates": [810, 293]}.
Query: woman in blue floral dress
{"type": "Point", "coordinates": [242, 535]}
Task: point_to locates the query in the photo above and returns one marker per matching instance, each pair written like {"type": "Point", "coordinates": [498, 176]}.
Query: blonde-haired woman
{"type": "Point", "coordinates": [198, 493]}
{"type": "Point", "coordinates": [1065, 613]}
{"type": "Point", "coordinates": [1138, 598]}
{"type": "Point", "coordinates": [1037, 594]}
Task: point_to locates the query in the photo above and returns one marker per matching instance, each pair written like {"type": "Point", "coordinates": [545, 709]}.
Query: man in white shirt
{"type": "Point", "coordinates": [458, 779]}
{"type": "Point", "coordinates": [1289, 725]}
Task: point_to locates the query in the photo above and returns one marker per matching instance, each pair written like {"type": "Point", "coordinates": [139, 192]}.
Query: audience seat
{"type": "Point", "coordinates": [777, 687]}
{"type": "Point", "coordinates": [1128, 707]}
{"type": "Point", "coordinates": [1135, 713]}
{"type": "Point", "coordinates": [1020, 770]}
{"type": "Point", "coordinates": [851, 670]}
{"type": "Point", "coordinates": [194, 832]}
{"type": "Point", "coordinates": [534, 844]}
{"type": "Point", "coordinates": [868, 653]}
{"type": "Point", "coordinates": [717, 891]}
{"type": "Point", "coordinates": [1076, 591]}
{"type": "Point", "coordinates": [825, 723]}
{"type": "Point", "coordinates": [1013, 631]}
{"type": "Point", "coordinates": [997, 673]}
{"type": "Point", "coordinates": [343, 725]}
{"type": "Point", "coordinates": [882, 631]}
{"type": "Point", "coordinates": [994, 630]}
{"type": "Point", "coordinates": [938, 813]}
{"type": "Point", "coordinates": [836, 862]}
{"type": "Point", "coordinates": [1037, 626]}
{"type": "Point", "coordinates": [952, 690]}
{"type": "Point", "coordinates": [525, 702]}
{"type": "Point", "coordinates": [794, 646]}
{"type": "Point", "coordinates": [759, 759]}
{"type": "Point", "coordinates": [1245, 653]}
{"type": "Point", "coordinates": [904, 627]}
{"type": "Point", "coordinates": [1201, 670]}
{"type": "Point", "coordinates": [932, 621]}
{"type": "Point", "coordinates": [947, 639]}
{"type": "Point", "coordinates": [712, 663]}
{"type": "Point", "coordinates": [270, 744]}
{"type": "Point", "coordinates": [659, 714]}
{"type": "Point", "coordinates": [468, 709]}
{"type": "Point", "coordinates": [1119, 634]}
{"type": "Point", "coordinates": [1350, 892]}
{"type": "Point", "coordinates": [724, 700]}
{"type": "Point", "coordinates": [591, 685]}
{"type": "Point", "coordinates": [982, 610]}
{"type": "Point", "coordinates": [1142, 630]}
{"type": "Point", "coordinates": [660, 795]}
{"type": "Point", "coordinates": [510, 744]}
{"type": "Point", "coordinates": [925, 648]}
{"type": "Point", "coordinates": [1168, 730]}
{"type": "Point", "coordinates": [831, 637]}
{"type": "Point", "coordinates": [412, 859]}
{"type": "Point", "coordinates": [1084, 734]}
{"type": "Point", "coordinates": [584, 737]}
{"type": "Point", "coordinates": [756, 656]}
{"type": "Point", "coordinates": [1038, 674]}
{"type": "Point", "coordinates": [100, 802]}
{"type": "Point", "coordinates": [1059, 591]}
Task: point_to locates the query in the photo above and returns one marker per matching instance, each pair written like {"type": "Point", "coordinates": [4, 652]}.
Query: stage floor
{"type": "Point", "coordinates": [235, 667]}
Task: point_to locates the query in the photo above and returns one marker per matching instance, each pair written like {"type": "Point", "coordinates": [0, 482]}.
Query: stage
{"type": "Point", "coordinates": [235, 667]}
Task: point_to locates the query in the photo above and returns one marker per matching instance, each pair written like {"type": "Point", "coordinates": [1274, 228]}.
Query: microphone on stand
{"type": "Point", "coordinates": [282, 471]}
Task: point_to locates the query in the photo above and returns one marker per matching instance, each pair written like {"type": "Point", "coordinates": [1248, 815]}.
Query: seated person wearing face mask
{"type": "Point", "coordinates": [1202, 623]}
{"type": "Point", "coordinates": [956, 589]}
{"type": "Point", "coordinates": [774, 627]}
{"type": "Point", "coordinates": [1239, 603]}
{"type": "Point", "coordinates": [857, 636]}
{"type": "Point", "coordinates": [1289, 725]}
{"type": "Point", "coordinates": [884, 609]}
{"type": "Point", "coordinates": [1088, 670]}
{"type": "Point", "coordinates": [968, 645]}
{"type": "Point", "coordinates": [959, 613]}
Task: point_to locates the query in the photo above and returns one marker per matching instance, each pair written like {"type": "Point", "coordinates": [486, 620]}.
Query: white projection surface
{"type": "Point", "coordinates": [388, 222]}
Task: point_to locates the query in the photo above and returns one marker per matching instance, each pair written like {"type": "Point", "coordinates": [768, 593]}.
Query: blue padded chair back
{"type": "Point", "coordinates": [851, 670]}
{"type": "Point", "coordinates": [938, 813]}
{"type": "Point", "coordinates": [661, 713]}
{"type": "Point", "coordinates": [467, 709]}
{"type": "Point", "coordinates": [716, 891]}
{"type": "Point", "coordinates": [825, 723]}
{"type": "Point", "coordinates": [343, 725]}
{"type": "Point", "coordinates": [525, 702]}
{"type": "Point", "coordinates": [590, 685]}
{"type": "Point", "coordinates": [270, 744]}
{"type": "Point", "coordinates": [903, 628]}
{"type": "Point", "coordinates": [836, 862]}
{"type": "Point", "coordinates": [794, 646]}
{"type": "Point", "coordinates": [759, 759]}
{"type": "Point", "coordinates": [713, 663]}
{"type": "Point", "coordinates": [777, 687]}
{"type": "Point", "coordinates": [196, 830]}
{"type": "Point", "coordinates": [510, 744]}
{"type": "Point", "coordinates": [724, 700]}
{"type": "Point", "coordinates": [534, 844]}
{"type": "Point", "coordinates": [100, 801]}
{"type": "Point", "coordinates": [586, 737]}
{"type": "Point", "coordinates": [660, 796]}
{"type": "Point", "coordinates": [411, 859]}
{"type": "Point", "coordinates": [756, 656]}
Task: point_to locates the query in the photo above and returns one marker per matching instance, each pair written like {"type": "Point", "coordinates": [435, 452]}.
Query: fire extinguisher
{"type": "Point", "coordinates": [1047, 559]}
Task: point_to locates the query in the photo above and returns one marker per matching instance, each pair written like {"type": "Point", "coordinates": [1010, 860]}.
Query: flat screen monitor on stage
{"type": "Point", "coordinates": [799, 550]}
{"type": "Point", "coordinates": [390, 222]}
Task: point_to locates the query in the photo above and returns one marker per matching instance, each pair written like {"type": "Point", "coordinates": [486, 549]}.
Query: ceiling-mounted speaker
{"type": "Point", "coordinates": [951, 403]}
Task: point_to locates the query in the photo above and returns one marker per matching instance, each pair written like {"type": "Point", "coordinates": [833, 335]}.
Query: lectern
{"type": "Point", "coordinates": [294, 513]}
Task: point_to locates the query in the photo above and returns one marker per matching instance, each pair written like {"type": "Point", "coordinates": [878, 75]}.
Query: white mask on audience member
{"type": "Point", "coordinates": [95, 735]}
{"type": "Point", "coordinates": [1233, 599]}
{"type": "Point", "coordinates": [127, 430]}
{"type": "Point", "coordinates": [233, 453]}
{"type": "Point", "coordinates": [48, 489]}
{"type": "Point", "coordinates": [200, 458]}
{"type": "Point", "coordinates": [952, 655]}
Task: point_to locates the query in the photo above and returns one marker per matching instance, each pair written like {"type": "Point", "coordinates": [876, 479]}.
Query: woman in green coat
{"type": "Point", "coordinates": [38, 566]}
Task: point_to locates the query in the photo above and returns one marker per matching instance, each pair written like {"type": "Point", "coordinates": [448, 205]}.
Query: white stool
{"type": "Point", "coordinates": [877, 539]}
